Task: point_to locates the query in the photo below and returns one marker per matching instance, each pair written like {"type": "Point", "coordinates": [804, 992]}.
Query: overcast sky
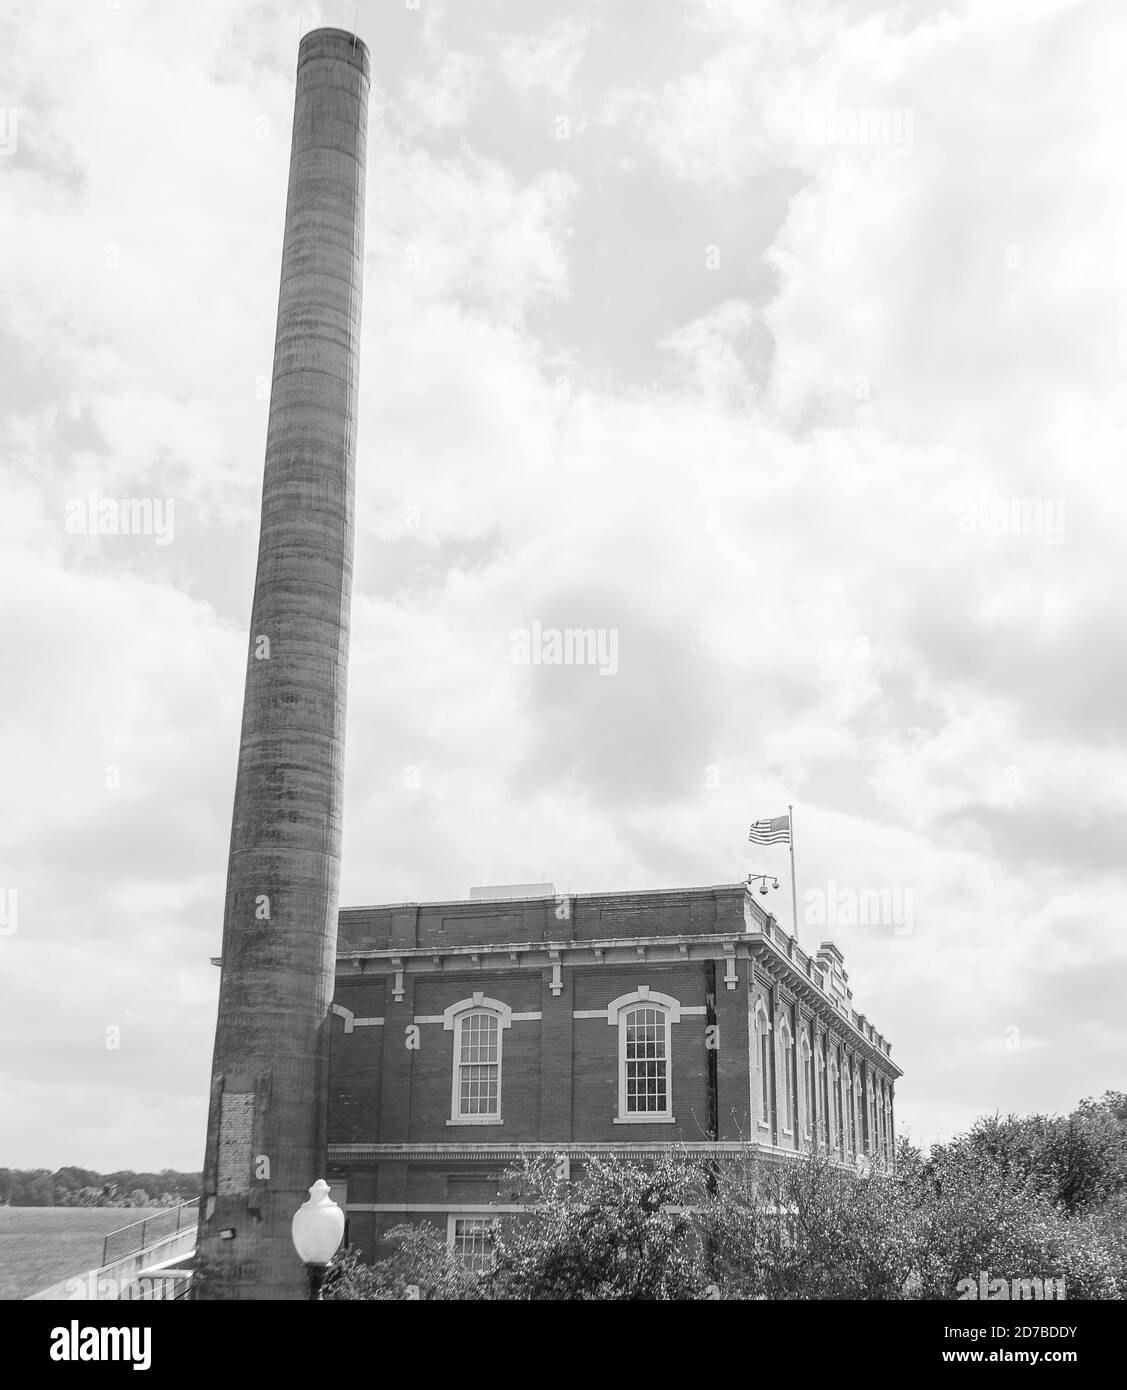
{"type": "Point", "coordinates": [820, 414]}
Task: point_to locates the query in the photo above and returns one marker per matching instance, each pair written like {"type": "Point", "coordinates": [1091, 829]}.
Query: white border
{"type": "Point", "coordinates": [452, 1019]}
{"type": "Point", "coordinates": [463, 1215]}
{"type": "Point", "coordinates": [784, 1044]}
{"type": "Point", "coordinates": [670, 1009]}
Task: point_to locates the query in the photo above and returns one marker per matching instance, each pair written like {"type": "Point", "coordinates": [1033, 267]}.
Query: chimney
{"type": "Point", "coordinates": [266, 1127]}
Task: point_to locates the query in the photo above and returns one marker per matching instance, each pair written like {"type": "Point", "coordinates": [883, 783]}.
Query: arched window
{"type": "Point", "coordinates": [786, 1074]}
{"type": "Point", "coordinates": [646, 1056]}
{"type": "Point", "coordinates": [478, 1025]}
{"type": "Point", "coordinates": [846, 1100]}
{"type": "Point", "coordinates": [807, 1064]}
{"type": "Point", "coordinates": [874, 1141]}
{"type": "Point", "coordinates": [847, 1097]}
{"type": "Point", "coordinates": [878, 1120]}
{"type": "Point", "coordinates": [835, 1106]}
{"type": "Point", "coordinates": [644, 1021]}
{"type": "Point", "coordinates": [479, 1064]}
{"type": "Point", "coordinates": [823, 1099]}
{"type": "Point", "coordinates": [855, 1109]}
{"type": "Point", "coordinates": [763, 1064]}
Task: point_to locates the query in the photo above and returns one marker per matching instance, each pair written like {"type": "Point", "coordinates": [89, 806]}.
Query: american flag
{"type": "Point", "coordinates": [771, 832]}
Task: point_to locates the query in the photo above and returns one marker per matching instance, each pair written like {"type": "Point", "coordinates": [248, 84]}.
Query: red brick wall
{"type": "Point", "coordinates": [356, 1064]}
{"type": "Point", "coordinates": [559, 1075]}
{"type": "Point", "coordinates": [433, 1062]}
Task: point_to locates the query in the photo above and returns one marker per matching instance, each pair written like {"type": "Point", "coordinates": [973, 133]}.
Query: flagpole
{"type": "Point", "coordinates": [793, 889]}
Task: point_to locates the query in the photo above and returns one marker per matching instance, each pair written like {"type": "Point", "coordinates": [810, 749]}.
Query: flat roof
{"type": "Point", "coordinates": [547, 897]}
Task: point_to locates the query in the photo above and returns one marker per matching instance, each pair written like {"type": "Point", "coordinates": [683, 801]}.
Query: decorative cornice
{"type": "Point", "coordinates": [774, 962]}
{"type": "Point", "coordinates": [537, 955]}
{"type": "Point", "coordinates": [443, 1153]}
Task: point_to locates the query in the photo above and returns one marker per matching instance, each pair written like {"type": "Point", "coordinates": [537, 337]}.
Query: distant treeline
{"type": "Point", "coordinates": [81, 1187]}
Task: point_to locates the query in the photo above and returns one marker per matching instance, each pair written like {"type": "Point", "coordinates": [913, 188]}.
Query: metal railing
{"type": "Point", "coordinates": [127, 1240]}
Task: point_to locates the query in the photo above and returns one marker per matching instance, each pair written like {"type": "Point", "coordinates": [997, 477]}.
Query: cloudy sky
{"type": "Point", "coordinates": [786, 342]}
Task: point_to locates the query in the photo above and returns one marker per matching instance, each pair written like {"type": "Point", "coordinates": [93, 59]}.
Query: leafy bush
{"type": "Point", "coordinates": [621, 1232]}
{"type": "Point", "coordinates": [1035, 1198]}
{"type": "Point", "coordinates": [981, 1214]}
{"type": "Point", "coordinates": [1077, 1160]}
{"type": "Point", "coordinates": [809, 1230]}
{"type": "Point", "coordinates": [422, 1266]}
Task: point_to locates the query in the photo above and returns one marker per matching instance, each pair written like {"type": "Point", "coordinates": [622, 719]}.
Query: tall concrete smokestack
{"type": "Point", "coordinates": [266, 1128]}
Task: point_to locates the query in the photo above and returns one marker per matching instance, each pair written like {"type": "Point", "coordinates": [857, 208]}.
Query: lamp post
{"type": "Point", "coordinates": [765, 882]}
{"type": "Point", "coordinates": [318, 1229]}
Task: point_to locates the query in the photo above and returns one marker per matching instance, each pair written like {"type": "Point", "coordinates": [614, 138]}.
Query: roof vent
{"type": "Point", "coordinates": [513, 890]}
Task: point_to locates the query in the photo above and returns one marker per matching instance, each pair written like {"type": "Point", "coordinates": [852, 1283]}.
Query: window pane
{"type": "Point", "coordinates": [473, 1240]}
{"type": "Point", "coordinates": [479, 1064]}
{"type": "Point", "coordinates": [788, 1082]}
{"type": "Point", "coordinates": [646, 1074]}
{"type": "Point", "coordinates": [480, 1037]}
{"type": "Point", "coordinates": [764, 1074]}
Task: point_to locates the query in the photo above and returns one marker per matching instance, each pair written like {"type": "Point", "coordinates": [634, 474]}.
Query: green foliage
{"type": "Point", "coordinates": [1036, 1198]}
{"type": "Point", "coordinates": [979, 1212]}
{"type": "Point", "coordinates": [810, 1230]}
{"type": "Point", "coordinates": [81, 1187]}
{"type": "Point", "coordinates": [1077, 1160]}
{"type": "Point", "coordinates": [619, 1233]}
{"type": "Point", "coordinates": [421, 1267]}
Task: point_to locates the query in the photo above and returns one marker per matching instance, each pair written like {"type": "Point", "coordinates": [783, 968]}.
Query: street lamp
{"type": "Point", "coordinates": [318, 1229]}
{"type": "Point", "coordinates": [764, 880]}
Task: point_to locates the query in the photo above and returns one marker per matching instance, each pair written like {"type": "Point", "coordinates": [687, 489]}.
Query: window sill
{"type": "Point", "coordinates": [477, 1120]}
{"type": "Point", "coordinates": [644, 1120]}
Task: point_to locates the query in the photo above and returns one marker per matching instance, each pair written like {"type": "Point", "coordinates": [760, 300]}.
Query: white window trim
{"type": "Point", "coordinates": [455, 1216]}
{"type": "Point", "coordinates": [670, 1009]}
{"type": "Point", "coordinates": [871, 1119]}
{"type": "Point", "coordinates": [845, 1102]}
{"type": "Point", "coordinates": [644, 995]}
{"type": "Point", "coordinates": [452, 1022]}
{"type": "Point", "coordinates": [763, 1087]}
{"type": "Point", "coordinates": [834, 1118]}
{"type": "Point", "coordinates": [805, 1055]}
{"type": "Point", "coordinates": [784, 1043]}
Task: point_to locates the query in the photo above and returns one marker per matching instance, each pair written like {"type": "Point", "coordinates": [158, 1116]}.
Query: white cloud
{"type": "Point", "coordinates": [774, 535]}
{"type": "Point", "coordinates": [545, 61]}
{"type": "Point", "coordinates": [444, 99]}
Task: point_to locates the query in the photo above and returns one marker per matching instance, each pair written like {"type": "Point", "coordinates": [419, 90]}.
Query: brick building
{"type": "Point", "coordinates": [465, 1032]}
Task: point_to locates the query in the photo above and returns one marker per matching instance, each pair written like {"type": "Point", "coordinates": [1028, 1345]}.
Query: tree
{"type": "Point", "coordinates": [70, 1179]}
{"type": "Point", "coordinates": [16, 1186]}
{"type": "Point", "coordinates": [1113, 1102]}
{"type": "Point", "coordinates": [41, 1191]}
{"type": "Point", "coordinates": [87, 1197]}
{"type": "Point", "coordinates": [810, 1229]}
{"type": "Point", "coordinates": [978, 1214]}
{"type": "Point", "coordinates": [1014, 1199]}
{"type": "Point", "coordinates": [621, 1232]}
{"type": "Point", "coordinates": [1077, 1160]}
{"type": "Point", "coordinates": [422, 1267]}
